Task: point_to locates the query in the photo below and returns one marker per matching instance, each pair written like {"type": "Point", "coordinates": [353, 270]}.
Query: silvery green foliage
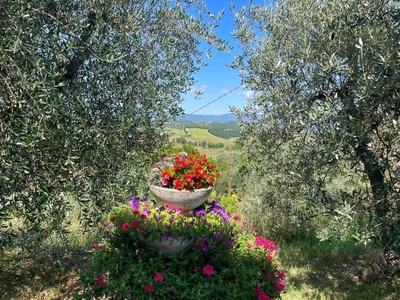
{"type": "Point", "coordinates": [85, 89]}
{"type": "Point", "coordinates": [326, 82]}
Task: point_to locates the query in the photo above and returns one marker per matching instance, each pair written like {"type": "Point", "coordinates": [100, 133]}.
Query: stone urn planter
{"type": "Point", "coordinates": [168, 246]}
{"type": "Point", "coordinates": [184, 199]}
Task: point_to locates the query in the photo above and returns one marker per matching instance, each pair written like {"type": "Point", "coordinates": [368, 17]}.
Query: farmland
{"type": "Point", "coordinates": [198, 137]}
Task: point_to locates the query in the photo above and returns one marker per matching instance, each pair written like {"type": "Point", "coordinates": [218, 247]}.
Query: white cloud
{"type": "Point", "coordinates": [248, 94]}
{"type": "Point", "coordinates": [201, 89]}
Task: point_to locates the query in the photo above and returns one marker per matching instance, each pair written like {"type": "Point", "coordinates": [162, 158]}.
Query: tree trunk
{"type": "Point", "coordinates": [376, 178]}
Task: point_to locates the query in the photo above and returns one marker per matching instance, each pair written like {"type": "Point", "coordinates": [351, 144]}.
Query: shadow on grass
{"type": "Point", "coordinates": [25, 276]}
{"type": "Point", "coordinates": [320, 270]}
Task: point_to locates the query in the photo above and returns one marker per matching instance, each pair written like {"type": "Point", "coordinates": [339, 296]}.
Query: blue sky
{"type": "Point", "coordinates": [215, 79]}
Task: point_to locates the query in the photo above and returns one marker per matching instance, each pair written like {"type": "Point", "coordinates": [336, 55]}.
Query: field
{"type": "Point", "coordinates": [197, 135]}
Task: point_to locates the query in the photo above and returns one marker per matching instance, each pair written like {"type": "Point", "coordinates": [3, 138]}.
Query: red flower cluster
{"type": "Point", "coordinates": [134, 224]}
{"type": "Point", "coordinates": [97, 246]}
{"type": "Point", "coordinates": [149, 289]}
{"type": "Point", "coordinates": [100, 281]}
{"type": "Point", "coordinates": [186, 172]}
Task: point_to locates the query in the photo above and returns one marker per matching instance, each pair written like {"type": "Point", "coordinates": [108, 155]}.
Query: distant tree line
{"type": "Point", "coordinates": [203, 144]}
{"type": "Point", "coordinates": [225, 133]}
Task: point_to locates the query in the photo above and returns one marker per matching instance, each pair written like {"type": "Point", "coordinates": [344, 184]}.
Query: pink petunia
{"type": "Point", "coordinates": [281, 275]}
{"type": "Point", "coordinates": [158, 277]}
{"type": "Point", "coordinates": [280, 286]}
{"type": "Point", "coordinates": [208, 270]}
{"type": "Point", "coordinates": [262, 296]}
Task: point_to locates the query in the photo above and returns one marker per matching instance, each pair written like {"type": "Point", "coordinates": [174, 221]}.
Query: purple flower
{"type": "Point", "coordinates": [190, 212]}
{"type": "Point", "coordinates": [133, 198]}
{"type": "Point", "coordinates": [135, 205]}
{"type": "Point", "coordinates": [224, 216]}
{"type": "Point", "coordinates": [109, 225]}
{"type": "Point", "coordinates": [174, 236]}
{"type": "Point", "coordinates": [167, 208]}
{"type": "Point", "coordinates": [165, 237]}
{"type": "Point", "coordinates": [215, 207]}
{"type": "Point", "coordinates": [200, 212]}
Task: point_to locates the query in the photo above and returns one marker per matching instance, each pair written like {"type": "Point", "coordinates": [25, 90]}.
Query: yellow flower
{"type": "Point", "coordinates": [234, 196]}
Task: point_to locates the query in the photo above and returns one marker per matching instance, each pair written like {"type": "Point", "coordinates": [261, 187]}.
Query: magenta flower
{"type": "Point", "coordinates": [280, 286]}
{"type": "Point", "coordinates": [208, 270]}
{"type": "Point", "coordinates": [158, 277]}
{"type": "Point", "coordinates": [149, 289]}
{"type": "Point", "coordinates": [263, 296]}
{"type": "Point", "coordinates": [281, 275]}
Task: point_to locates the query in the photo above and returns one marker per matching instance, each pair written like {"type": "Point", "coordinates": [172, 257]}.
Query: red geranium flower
{"type": "Point", "coordinates": [149, 289]}
{"type": "Point", "coordinates": [100, 281]}
{"type": "Point", "coordinates": [124, 226]}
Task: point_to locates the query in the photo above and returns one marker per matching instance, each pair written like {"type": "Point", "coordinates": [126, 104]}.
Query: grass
{"type": "Point", "coordinates": [319, 270]}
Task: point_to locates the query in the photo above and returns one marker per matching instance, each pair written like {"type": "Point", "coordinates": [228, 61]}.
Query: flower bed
{"type": "Point", "coordinates": [226, 260]}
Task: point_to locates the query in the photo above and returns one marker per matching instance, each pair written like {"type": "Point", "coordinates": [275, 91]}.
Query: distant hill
{"type": "Point", "coordinates": [208, 118]}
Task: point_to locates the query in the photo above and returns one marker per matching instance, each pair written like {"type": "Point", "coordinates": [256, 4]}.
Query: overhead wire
{"type": "Point", "coordinates": [209, 103]}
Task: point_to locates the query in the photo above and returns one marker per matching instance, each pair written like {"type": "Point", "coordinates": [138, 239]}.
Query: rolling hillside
{"type": "Point", "coordinates": [198, 137]}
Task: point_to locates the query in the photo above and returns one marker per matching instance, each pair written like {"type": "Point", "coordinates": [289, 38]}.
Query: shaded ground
{"type": "Point", "coordinates": [315, 272]}
{"type": "Point", "coordinates": [22, 277]}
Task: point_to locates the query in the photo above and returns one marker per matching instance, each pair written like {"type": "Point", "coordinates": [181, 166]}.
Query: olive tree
{"type": "Point", "coordinates": [326, 80]}
{"type": "Point", "coordinates": [85, 89]}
